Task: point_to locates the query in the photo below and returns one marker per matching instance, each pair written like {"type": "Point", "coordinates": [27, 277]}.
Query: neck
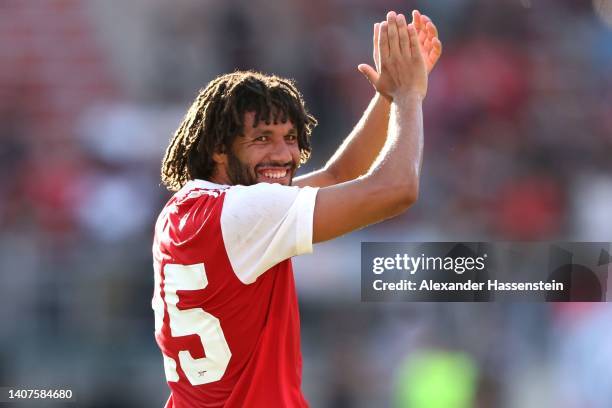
{"type": "Point", "coordinates": [220, 177]}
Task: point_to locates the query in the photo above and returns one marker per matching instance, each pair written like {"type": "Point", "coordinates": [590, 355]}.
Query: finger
{"type": "Point", "coordinates": [414, 42]}
{"type": "Point", "coordinates": [436, 51]}
{"type": "Point", "coordinates": [425, 19]}
{"type": "Point", "coordinates": [394, 47]}
{"type": "Point", "coordinates": [369, 72]}
{"type": "Point", "coordinates": [416, 19]}
{"type": "Point", "coordinates": [437, 45]}
{"type": "Point", "coordinates": [431, 29]}
{"type": "Point", "coordinates": [375, 46]}
{"type": "Point", "coordinates": [417, 22]}
{"type": "Point", "coordinates": [402, 29]}
{"type": "Point", "coordinates": [383, 43]}
{"type": "Point", "coordinates": [422, 35]}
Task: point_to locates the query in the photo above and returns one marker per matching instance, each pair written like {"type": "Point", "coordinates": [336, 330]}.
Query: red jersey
{"type": "Point", "coordinates": [226, 312]}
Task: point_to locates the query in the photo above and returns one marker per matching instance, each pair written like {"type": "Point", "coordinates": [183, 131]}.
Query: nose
{"type": "Point", "coordinates": [281, 152]}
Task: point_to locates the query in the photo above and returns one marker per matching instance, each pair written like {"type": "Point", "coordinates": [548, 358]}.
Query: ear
{"type": "Point", "coordinates": [219, 158]}
{"type": "Point", "coordinates": [220, 171]}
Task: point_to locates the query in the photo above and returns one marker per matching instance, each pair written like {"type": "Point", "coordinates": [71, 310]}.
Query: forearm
{"type": "Point", "coordinates": [392, 183]}
{"type": "Point", "coordinates": [388, 189]}
{"type": "Point", "coordinates": [356, 154]}
{"type": "Point", "coordinates": [399, 162]}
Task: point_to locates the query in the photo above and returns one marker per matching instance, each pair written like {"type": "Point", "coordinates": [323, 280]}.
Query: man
{"type": "Point", "coordinates": [226, 314]}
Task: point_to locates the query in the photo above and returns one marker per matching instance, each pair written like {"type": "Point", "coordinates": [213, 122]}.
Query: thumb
{"type": "Point", "coordinates": [368, 72]}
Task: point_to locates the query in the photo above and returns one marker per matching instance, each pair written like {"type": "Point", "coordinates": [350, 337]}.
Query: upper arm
{"type": "Point", "coordinates": [264, 224]}
{"type": "Point", "coordinates": [349, 206]}
{"type": "Point", "coordinates": [317, 178]}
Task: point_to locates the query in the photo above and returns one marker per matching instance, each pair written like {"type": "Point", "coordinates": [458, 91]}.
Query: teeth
{"type": "Point", "coordinates": [275, 174]}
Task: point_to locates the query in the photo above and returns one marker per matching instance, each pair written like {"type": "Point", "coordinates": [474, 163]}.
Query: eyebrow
{"type": "Point", "coordinates": [293, 131]}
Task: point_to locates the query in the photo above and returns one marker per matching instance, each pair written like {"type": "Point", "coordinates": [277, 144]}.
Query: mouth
{"type": "Point", "coordinates": [279, 175]}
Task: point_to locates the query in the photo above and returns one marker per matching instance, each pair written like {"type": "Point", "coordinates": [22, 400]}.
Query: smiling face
{"type": "Point", "coordinates": [266, 153]}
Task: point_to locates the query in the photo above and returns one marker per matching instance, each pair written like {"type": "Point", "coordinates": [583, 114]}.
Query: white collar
{"type": "Point", "coordinates": [199, 183]}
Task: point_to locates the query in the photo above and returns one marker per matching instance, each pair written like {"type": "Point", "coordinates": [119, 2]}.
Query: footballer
{"type": "Point", "coordinates": [226, 310]}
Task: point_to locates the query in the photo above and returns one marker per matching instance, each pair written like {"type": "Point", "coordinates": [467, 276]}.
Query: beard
{"type": "Point", "coordinates": [239, 173]}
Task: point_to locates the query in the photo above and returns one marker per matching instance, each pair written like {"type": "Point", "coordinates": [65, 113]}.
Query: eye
{"type": "Point", "coordinates": [291, 138]}
{"type": "Point", "coordinates": [262, 138]}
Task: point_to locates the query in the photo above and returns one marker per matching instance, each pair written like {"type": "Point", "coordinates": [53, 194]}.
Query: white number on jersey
{"type": "Point", "coordinates": [191, 321]}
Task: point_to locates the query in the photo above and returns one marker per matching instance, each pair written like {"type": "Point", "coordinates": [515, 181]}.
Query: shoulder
{"type": "Point", "coordinates": [196, 193]}
{"type": "Point", "coordinates": [264, 199]}
{"type": "Point", "coordinates": [194, 189]}
{"type": "Point", "coordinates": [261, 191]}
{"type": "Point", "coordinates": [191, 205]}
{"type": "Point", "coordinates": [265, 224]}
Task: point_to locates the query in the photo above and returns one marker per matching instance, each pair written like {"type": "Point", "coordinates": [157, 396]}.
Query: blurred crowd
{"type": "Point", "coordinates": [518, 124]}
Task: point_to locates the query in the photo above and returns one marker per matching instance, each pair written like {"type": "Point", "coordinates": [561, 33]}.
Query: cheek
{"type": "Point", "coordinates": [295, 153]}
{"type": "Point", "coordinates": [258, 155]}
{"type": "Point", "coordinates": [250, 156]}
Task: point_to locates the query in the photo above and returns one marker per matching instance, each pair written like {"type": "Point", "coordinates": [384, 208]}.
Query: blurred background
{"type": "Point", "coordinates": [518, 147]}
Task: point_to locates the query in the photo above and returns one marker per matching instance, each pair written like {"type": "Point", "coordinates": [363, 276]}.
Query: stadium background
{"type": "Point", "coordinates": [518, 143]}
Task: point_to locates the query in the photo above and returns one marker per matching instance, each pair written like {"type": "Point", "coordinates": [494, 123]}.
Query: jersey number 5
{"type": "Point", "coordinates": [188, 322]}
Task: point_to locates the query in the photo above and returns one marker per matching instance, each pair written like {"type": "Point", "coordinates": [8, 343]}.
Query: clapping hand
{"type": "Point", "coordinates": [430, 46]}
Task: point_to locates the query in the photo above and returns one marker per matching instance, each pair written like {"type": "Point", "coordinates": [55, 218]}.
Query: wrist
{"type": "Point", "coordinates": [385, 97]}
{"type": "Point", "coordinates": [408, 97]}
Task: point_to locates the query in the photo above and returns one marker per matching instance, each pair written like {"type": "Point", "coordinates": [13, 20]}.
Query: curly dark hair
{"type": "Point", "coordinates": [216, 118]}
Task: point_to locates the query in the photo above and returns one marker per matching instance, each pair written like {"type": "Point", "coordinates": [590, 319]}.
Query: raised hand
{"type": "Point", "coordinates": [430, 46]}
{"type": "Point", "coordinates": [401, 68]}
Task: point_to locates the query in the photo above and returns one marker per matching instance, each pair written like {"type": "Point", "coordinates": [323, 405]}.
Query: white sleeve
{"type": "Point", "coordinates": [265, 224]}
